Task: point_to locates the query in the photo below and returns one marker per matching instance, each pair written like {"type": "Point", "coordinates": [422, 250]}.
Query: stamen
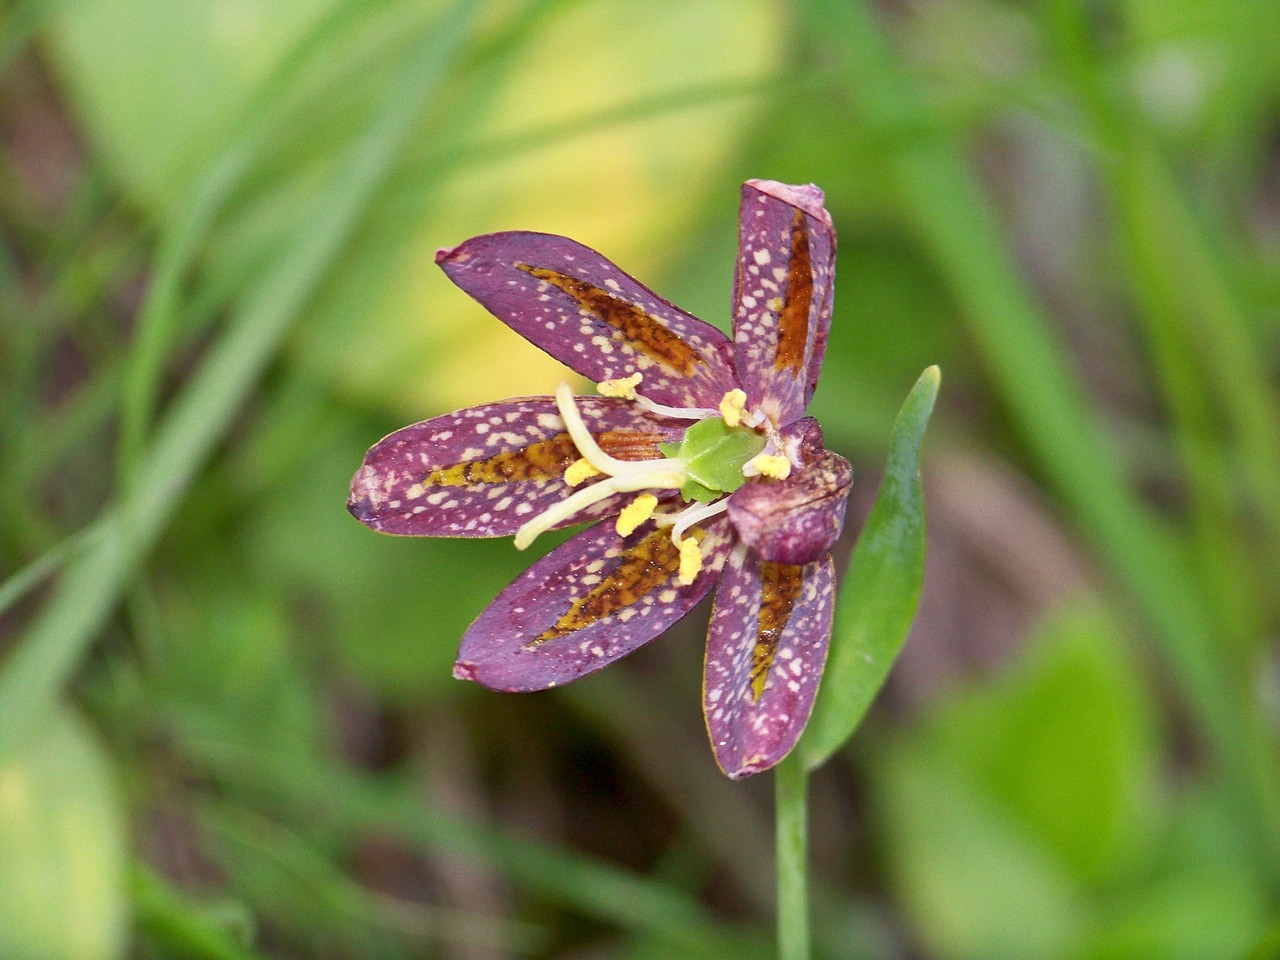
{"type": "Point", "coordinates": [579, 471]}
{"type": "Point", "coordinates": [732, 406]}
{"type": "Point", "coordinates": [591, 451]}
{"type": "Point", "coordinates": [676, 413]}
{"type": "Point", "coordinates": [690, 561]}
{"type": "Point", "coordinates": [584, 498]}
{"type": "Point", "coordinates": [624, 387]}
{"type": "Point", "coordinates": [686, 518]}
{"type": "Point", "coordinates": [635, 513]}
{"type": "Point", "coordinates": [769, 465]}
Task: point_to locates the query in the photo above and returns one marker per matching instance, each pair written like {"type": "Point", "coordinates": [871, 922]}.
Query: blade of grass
{"type": "Point", "coordinates": [253, 133]}
{"type": "Point", "coordinates": [19, 24]}
{"type": "Point", "coordinates": [1198, 335]}
{"type": "Point", "coordinates": [1184, 274]}
{"type": "Point", "coordinates": [1061, 429]}
{"type": "Point", "coordinates": [336, 893]}
{"type": "Point", "coordinates": [164, 917]}
{"type": "Point", "coordinates": [721, 818]}
{"type": "Point", "coordinates": [252, 138]}
{"type": "Point", "coordinates": [1221, 548]}
{"type": "Point", "coordinates": [357, 804]}
{"type": "Point", "coordinates": [50, 436]}
{"type": "Point", "coordinates": [537, 137]}
{"type": "Point", "coordinates": [39, 667]}
{"type": "Point", "coordinates": [20, 583]}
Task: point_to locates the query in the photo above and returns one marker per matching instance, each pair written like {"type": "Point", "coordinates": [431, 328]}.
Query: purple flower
{"type": "Point", "coordinates": [698, 453]}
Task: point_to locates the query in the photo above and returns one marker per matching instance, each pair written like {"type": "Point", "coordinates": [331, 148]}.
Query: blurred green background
{"type": "Point", "coordinates": [227, 723]}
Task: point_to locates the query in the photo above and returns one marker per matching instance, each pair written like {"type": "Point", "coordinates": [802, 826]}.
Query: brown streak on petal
{"type": "Point", "coordinates": [780, 586]}
{"type": "Point", "coordinates": [542, 460]}
{"type": "Point", "coordinates": [538, 461]}
{"type": "Point", "coordinates": [629, 445]}
{"type": "Point", "coordinates": [793, 317]}
{"type": "Point", "coordinates": [637, 328]}
{"type": "Point", "coordinates": [643, 568]}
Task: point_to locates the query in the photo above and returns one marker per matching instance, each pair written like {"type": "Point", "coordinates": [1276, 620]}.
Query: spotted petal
{"type": "Point", "coordinates": [799, 519]}
{"type": "Point", "coordinates": [595, 598]}
{"type": "Point", "coordinates": [782, 295]}
{"type": "Point", "coordinates": [485, 471]}
{"type": "Point", "coordinates": [766, 647]}
{"type": "Point", "coordinates": [589, 315]}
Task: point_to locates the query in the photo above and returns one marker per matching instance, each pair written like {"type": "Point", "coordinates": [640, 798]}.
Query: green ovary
{"type": "Point", "coordinates": [713, 454]}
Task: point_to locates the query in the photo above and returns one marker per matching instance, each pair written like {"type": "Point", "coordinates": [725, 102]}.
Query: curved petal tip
{"type": "Point", "coordinates": [804, 196]}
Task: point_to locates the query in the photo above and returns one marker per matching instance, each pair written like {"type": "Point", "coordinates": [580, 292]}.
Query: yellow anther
{"type": "Point", "coordinates": [690, 561]}
{"type": "Point", "coordinates": [624, 388]}
{"type": "Point", "coordinates": [769, 465]}
{"type": "Point", "coordinates": [635, 513]}
{"type": "Point", "coordinates": [732, 406]}
{"type": "Point", "coordinates": [578, 471]}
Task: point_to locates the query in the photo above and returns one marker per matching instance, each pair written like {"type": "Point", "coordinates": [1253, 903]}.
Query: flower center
{"type": "Point", "coordinates": [716, 456]}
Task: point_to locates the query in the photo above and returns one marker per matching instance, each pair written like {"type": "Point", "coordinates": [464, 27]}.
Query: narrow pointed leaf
{"type": "Point", "coordinates": [882, 587]}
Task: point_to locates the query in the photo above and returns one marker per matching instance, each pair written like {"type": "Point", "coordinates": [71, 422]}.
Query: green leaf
{"type": "Point", "coordinates": [357, 580]}
{"type": "Point", "coordinates": [970, 881]}
{"type": "Point", "coordinates": [954, 219]}
{"type": "Point", "coordinates": [1064, 744]}
{"type": "Point", "coordinates": [200, 416]}
{"type": "Point", "coordinates": [186, 928]}
{"type": "Point", "coordinates": [1196, 898]}
{"type": "Point", "coordinates": [1268, 946]}
{"type": "Point", "coordinates": [62, 842]}
{"type": "Point", "coordinates": [881, 589]}
{"type": "Point", "coordinates": [161, 85]}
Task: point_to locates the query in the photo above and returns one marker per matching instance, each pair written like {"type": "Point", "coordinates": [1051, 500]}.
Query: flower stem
{"type": "Point", "coordinates": [791, 809]}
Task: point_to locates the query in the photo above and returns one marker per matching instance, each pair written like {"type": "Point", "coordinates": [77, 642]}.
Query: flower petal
{"type": "Point", "coordinates": [589, 315]}
{"type": "Point", "coordinates": [485, 471]}
{"type": "Point", "coordinates": [799, 519]}
{"type": "Point", "coordinates": [593, 599]}
{"type": "Point", "coordinates": [766, 647]}
{"type": "Point", "coordinates": [782, 295]}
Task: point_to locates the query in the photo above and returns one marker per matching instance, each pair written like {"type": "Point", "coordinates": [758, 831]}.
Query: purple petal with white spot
{"type": "Point", "coordinates": [766, 648]}
{"type": "Point", "coordinates": [782, 295]}
{"type": "Point", "coordinates": [591, 316]}
{"type": "Point", "coordinates": [595, 598]}
{"type": "Point", "coordinates": [487, 470]}
{"type": "Point", "coordinates": [799, 519]}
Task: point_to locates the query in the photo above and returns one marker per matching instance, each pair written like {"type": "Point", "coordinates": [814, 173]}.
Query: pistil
{"type": "Point", "coordinates": [620, 476]}
{"type": "Point", "coordinates": [685, 467]}
{"type": "Point", "coordinates": [690, 552]}
{"type": "Point", "coordinates": [594, 494]}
